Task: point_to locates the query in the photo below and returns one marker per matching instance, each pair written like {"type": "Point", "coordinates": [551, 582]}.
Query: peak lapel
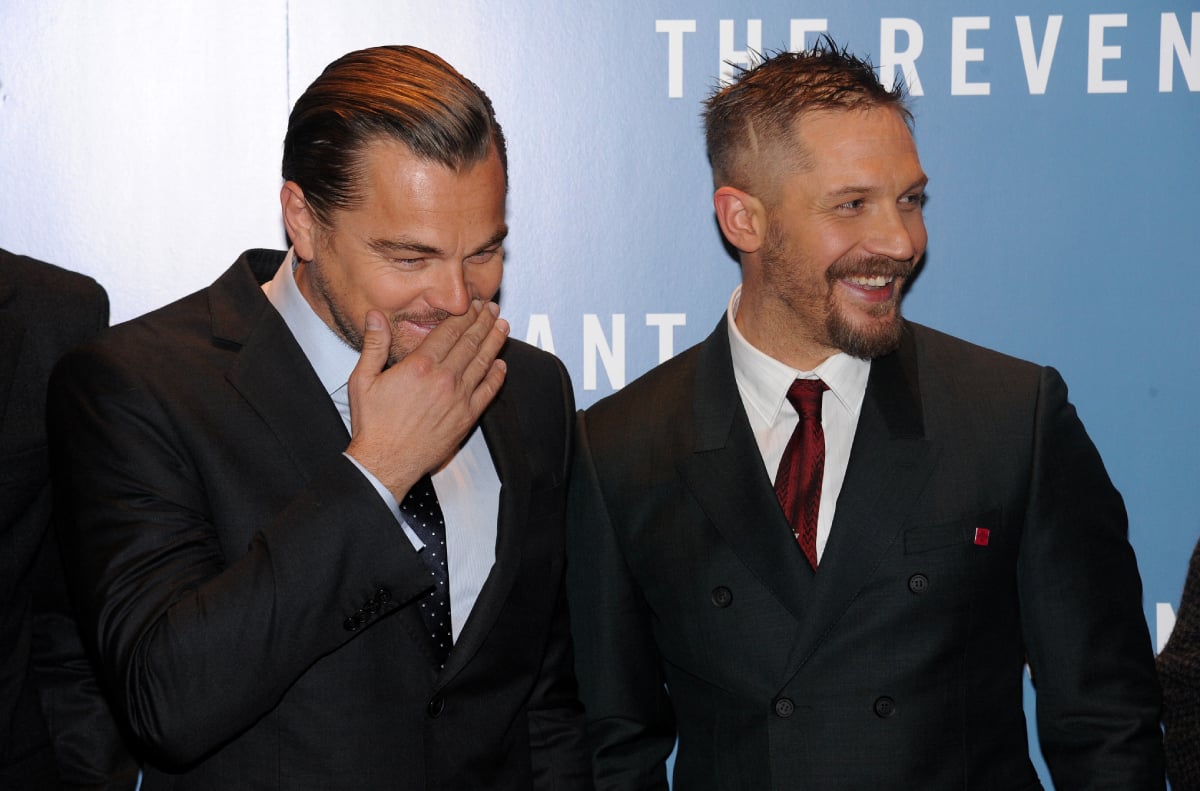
{"type": "Point", "coordinates": [890, 463]}
{"type": "Point", "coordinates": [726, 475]}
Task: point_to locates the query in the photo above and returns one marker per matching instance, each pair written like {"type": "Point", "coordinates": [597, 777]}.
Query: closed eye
{"type": "Point", "coordinates": [483, 256]}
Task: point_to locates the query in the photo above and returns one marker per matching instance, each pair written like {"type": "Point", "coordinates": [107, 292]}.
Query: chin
{"type": "Point", "coordinates": [867, 338]}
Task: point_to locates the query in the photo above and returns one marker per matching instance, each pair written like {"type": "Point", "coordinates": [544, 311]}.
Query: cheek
{"type": "Point", "coordinates": [918, 234]}
{"type": "Point", "coordinates": [389, 293]}
{"type": "Point", "coordinates": [831, 242]}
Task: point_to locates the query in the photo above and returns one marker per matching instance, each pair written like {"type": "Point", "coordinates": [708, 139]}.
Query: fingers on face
{"type": "Point", "coordinates": [377, 341]}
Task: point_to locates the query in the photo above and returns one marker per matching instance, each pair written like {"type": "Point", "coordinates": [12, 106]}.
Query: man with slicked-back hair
{"type": "Point", "coordinates": [315, 510]}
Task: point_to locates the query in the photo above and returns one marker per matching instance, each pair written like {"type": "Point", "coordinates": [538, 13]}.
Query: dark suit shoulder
{"type": "Point", "coordinates": [522, 354]}
{"type": "Point", "coordinates": [661, 391]}
{"type": "Point", "coordinates": [639, 431]}
{"type": "Point", "coordinates": [535, 374]}
{"type": "Point", "coordinates": [952, 364]}
{"type": "Point", "coordinates": [538, 386]}
{"type": "Point", "coordinates": [188, 331]}
{"type": "Point", "coordinates": [938, 346]}
{"type": "Point", "coordinates": [44, 293]}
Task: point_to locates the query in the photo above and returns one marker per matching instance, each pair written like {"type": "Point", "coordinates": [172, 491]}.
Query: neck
{"type": "Point", "coordinates": [770, 327]}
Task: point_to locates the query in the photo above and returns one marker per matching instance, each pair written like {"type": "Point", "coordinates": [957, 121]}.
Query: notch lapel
{"type": "Point", "coordinates": [271, 371]}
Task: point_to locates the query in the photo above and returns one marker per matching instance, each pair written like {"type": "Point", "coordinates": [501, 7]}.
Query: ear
{"type": "Point", "coordinates": [742, 218]}
{"type": "Point", "coordinates": [299, 220]}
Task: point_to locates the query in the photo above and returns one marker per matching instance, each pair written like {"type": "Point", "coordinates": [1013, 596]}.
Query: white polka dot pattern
{"type": "Point", "coordinates": [423, 514]}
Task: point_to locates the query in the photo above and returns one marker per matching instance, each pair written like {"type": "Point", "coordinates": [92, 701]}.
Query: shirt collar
{"type": "Point", "coordinates": [764, 381]}
{"type": "Point", "coordinates": [330, 356]}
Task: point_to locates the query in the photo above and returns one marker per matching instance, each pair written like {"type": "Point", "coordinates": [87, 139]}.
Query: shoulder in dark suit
{"type": "Point", "coordinates": [55, 727]}
{"type": "Point", "coordinates": [1179, 669]}
{"type": "Point", "coordinates": [976, 528]}
{"type": "Point", "coordinates": [254, 598]}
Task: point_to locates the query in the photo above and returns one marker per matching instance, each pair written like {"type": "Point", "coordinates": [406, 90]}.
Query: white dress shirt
{"type": "Point", "coordinates": [467, 486]}
{"type": "Point", "coordinates": [763, 382]}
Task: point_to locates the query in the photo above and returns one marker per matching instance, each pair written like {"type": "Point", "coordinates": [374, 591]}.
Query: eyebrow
{"type": "Point", "coordinates": [405, 245]}
{"type": "Point", "coordinates": [920, 183]}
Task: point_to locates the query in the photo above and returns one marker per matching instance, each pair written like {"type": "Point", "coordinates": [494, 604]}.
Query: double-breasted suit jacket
{"type": "Point", "coordinates": [976, 528]}
{"type": "Point", "coordinates": [253, 598]}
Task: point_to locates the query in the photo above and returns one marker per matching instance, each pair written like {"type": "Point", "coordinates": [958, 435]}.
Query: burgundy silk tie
{"type": "Point", "coordinates": [798, 482]}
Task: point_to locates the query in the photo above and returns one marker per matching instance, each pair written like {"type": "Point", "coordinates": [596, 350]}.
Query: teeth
{"type": "Point", "coordinates": [877, 281]}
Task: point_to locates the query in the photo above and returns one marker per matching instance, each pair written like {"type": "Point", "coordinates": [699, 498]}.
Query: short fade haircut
{"type": "Point", "coordinates": [402, 93]}
{"type": "Point", "coordinates": [762, 105]}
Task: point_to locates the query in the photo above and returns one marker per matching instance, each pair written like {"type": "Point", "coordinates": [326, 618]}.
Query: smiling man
{"type": "Point", "coordinates": [819, 547]}
{"type": "Point", "coordinates": [314, 512]}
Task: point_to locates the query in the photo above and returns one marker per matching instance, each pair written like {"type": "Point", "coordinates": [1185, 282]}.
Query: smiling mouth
{"type": "Point", "coordinates": [870, 281]}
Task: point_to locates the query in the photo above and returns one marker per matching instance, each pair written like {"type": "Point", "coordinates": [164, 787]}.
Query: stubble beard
{"type": "Point", "coordinates": [874, 332]}
{"type": "Point", "coordinates": [349, 332]}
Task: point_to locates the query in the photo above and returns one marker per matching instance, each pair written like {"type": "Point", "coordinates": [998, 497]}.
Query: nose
{"type": "Point", "coordinates": [449, 291]}
{"type": "Point", "coordinates": [898, 234]}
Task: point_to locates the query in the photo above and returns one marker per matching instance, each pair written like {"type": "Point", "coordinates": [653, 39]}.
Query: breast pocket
{"type": "Point", "coordinates": [971, 530]}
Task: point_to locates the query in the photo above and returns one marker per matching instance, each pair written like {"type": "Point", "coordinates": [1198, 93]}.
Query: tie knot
{"type": "Point", "coordinates": [805, 397]}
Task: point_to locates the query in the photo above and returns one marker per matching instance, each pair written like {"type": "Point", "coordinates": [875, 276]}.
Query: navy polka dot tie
{"type": "Point", "coordinates": [424, 515]}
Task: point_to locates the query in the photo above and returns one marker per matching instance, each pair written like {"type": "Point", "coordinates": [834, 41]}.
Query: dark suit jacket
{"type": "Point", "coordinates": [252, 595]}
{"type": "Point", "coordinates": [1179, 669]}
{"type": "Point", "coordinates": [899, 664]}
{"type": "Point", "coordinates": [55, 727]}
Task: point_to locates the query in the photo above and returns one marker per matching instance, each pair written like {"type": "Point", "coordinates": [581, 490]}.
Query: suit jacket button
{"type": "Point", "coordinates": [372, 606]}
{"type": "Point", "coordinates": [383, 595]}
{"type": "Point", "coordinates": [435, 706]}
{"type": "Point", "coordinates": [885, 707]}
{"type": "Point", "coordinates": [918, 583]}
{"type": "Point", "coordinates": [722, 596]}
{"type": "Point", "coordinates": [350, 624]}
{"type": "Point", "coordinates": [784, 707]}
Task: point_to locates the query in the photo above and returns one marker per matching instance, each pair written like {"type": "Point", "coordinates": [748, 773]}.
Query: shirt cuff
{"type": "Point", "coordinates": [389, 500]}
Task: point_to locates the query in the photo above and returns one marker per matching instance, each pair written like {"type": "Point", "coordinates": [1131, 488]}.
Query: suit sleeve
{"type": "Point", "coordinates": [1081, 602]}
{"type": "Point", "coordinates": [631, 726]}
{"type": "Point", "coordinates": [198, 645]}
{"type": "Point", "coordinates": [1179, 670]}
{"type": "Point", "coordinates": [556, 737]}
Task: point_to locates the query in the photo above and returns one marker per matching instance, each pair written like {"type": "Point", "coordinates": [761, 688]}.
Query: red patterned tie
{"type": "Point", "coordinates": [798, 482]}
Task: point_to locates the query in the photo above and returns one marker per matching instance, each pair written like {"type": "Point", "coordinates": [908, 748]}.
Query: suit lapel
{"type": "Point", "coordinates": [890, 463]}
{"type": "Point", "coordinates": [501, 429]}
{"type": "Point", "coordinates": [271, 372]}
{"type": "Point", "coordinates": [726, 476]}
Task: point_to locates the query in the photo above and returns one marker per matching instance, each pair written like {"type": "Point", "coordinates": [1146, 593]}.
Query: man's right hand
{"type": "Point", "coordinates": [407, 420]}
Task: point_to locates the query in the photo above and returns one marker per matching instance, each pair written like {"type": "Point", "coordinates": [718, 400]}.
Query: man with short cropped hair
{"type": "Point", "coordinates": [820, 546]}
{"type": "Point", "coordinates": [317, 508]}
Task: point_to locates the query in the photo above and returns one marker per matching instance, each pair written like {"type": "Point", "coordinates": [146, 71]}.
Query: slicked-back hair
{"type": "Point", "coordinates": [755, 116]}
{"type": "Point", "coordinates": [402, 93]}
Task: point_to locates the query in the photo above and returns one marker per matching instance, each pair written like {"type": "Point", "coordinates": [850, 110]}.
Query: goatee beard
{"type": "Point", "coordinates": [880, 336]}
